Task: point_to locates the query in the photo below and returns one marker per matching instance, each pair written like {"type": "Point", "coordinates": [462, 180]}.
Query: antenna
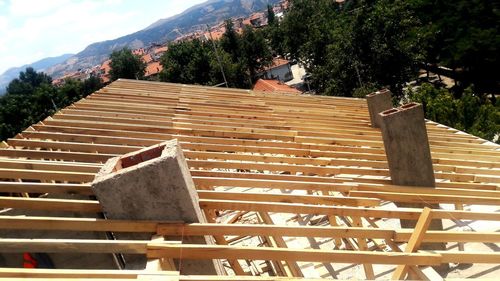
{"type": "Point", "coordinates": [218, 58]}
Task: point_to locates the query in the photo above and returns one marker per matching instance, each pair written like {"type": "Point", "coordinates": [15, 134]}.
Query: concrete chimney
{"type": "Point", "coordinates": [377, 102]}
{"type": "Point", "coordinates": [153, 184]}
{"type": "Point", "coordinates": [409, 156]}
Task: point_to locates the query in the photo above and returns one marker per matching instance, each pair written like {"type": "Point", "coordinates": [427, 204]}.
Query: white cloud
{"type": "Point", "coordinates": [3, 23]}
{"type": "Point", "coordinates": [22, 8]}
{"type": "Point", "coordinates": [33, 29]}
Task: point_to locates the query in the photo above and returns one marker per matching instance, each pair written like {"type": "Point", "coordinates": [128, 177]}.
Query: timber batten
{"type": "Point", "coordinates": [313, 160]}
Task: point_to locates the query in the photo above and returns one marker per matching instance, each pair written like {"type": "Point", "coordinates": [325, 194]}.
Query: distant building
{"type": "Point", "coordinates": [256, 20]}
{"type": "Point", "coordinates": [274, 86]}
{"type": "Point", "coordinates": [104, 71]}
{"type": "Point", "coordinates": [280, 70]}
{"type": "Point", "coordinates": [153, 69]}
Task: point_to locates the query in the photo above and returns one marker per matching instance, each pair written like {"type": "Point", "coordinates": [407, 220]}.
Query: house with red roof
{"type": "Point", "coordinates": [274, 86]}
{"type": "Point", "coordinates": [153, 69]}
{"type": "Point", "coordinates": [280, 70]}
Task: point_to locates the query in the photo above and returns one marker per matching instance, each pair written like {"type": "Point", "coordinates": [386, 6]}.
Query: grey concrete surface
{"type": "Point", "coordinates": [160, 188]}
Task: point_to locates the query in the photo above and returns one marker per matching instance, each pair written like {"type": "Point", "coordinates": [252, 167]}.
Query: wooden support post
{"type": "Point", "coordinates": [363, 246]}
{"type": "Point", "coordinates": [415, 241]}
{"type": "Point", "coordinates": [333, 222]}
{"type": "Point", "coordinates": [221, 240]}
{"type": "Point", "coordinates": [293, 267]}
{"type": "Point", "coordinates": [160, 264]}
{"type": "Point", "coordinates": [461, 245]}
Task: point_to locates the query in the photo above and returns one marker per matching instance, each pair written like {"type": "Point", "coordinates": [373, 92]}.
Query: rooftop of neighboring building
{"type": "Point", "coordinates": [274, 86]}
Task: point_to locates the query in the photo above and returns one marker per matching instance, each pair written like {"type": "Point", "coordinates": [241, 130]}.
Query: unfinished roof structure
{"type": "Point", "coordinates": [291, 186]}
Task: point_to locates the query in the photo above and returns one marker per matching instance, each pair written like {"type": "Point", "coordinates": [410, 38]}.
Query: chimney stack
{"type": "Point", "coordinates": [153, 183]}
{"type": "Point", "coordinates": [407, 146]}
{"type": "Point", "coordinates": [409, 157]}
{"type": "Point", "coordinates": [377, 102]}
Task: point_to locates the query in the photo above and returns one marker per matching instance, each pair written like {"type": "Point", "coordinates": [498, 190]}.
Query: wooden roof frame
{"type": "Point", "coordinates": [239, 138]}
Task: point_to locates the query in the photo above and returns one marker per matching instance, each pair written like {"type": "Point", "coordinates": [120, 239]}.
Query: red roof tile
{"type": "Point", "coordinates": [153, 68]}
{"type": "Point", "coordinates": [161, 50]}
{"type": "Point", "coordinates": [274, 86]}
{"type": "Point", "coordinates": [147, 58]}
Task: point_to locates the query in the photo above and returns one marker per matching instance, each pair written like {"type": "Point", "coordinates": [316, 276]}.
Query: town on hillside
{"type": "Point", "coordinates": [280, 70]}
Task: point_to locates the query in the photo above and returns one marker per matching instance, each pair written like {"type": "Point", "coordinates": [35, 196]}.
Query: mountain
{"type": "Point", "coordinates": [40, 65]}
{"type": "Point", "coordinates": [210, 12]}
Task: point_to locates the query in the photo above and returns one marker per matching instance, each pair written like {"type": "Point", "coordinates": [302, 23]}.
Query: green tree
{"type": "Point", "coordinates": [271, 17]}
{"type": "Point", "coordinates": [469, 113]}
{"type": "Point", "coordinates": [463, 34]}
{"type": "Point", "coordinates": [32, 98]}
{"type": "Point", "coordinates": [188, 62]}
{"type": "Point", "coordinates": [348, 47]}
{"type": "Point", "coordinates": [125, 64]}
{"type": "Point", "coordinates": [255, 51]}
{"type": "Point", "coordinates": [27, 82]}
{"type": "Point", "coordinates": [230, 41]}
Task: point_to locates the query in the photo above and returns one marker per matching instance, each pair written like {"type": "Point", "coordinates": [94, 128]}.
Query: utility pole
{"type": "Point", "coordinates": [217, 55]}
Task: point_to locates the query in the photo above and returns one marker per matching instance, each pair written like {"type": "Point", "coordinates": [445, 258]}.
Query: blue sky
{"type": "Point", "coordinates": [34, 29]}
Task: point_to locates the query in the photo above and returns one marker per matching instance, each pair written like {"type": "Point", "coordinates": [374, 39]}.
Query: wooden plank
{"type": "Point", "coordinates": [363, 246]}
{"type": "Point", "coordinates": [65, 188]}
{"type": "Point", "coordinates": [56, 155]}
{"type": "Point", "coordinates": [84, 206]}
{"type": "Point", "coordinates": [10, 245]}
{"type": "Point", "coordinates": [429, 198]}
{"type": "Point", "coordinates": [469, 257]}
{"type": "Point", "coordinates": [287, 198]}
{"type": "Point", "coordinates": [46, 175]}
{"type": "Point", "coordinates": [415, 240]}
{"type": "Point", "coordinates": [293, 267]}
{"type": "Point", "coordinates": [77, 224]}
{"type": "Point", "coordinates": [191, 251]}
{"type": "Point", "coordinates": [77, 273]}
{"type": "Point", "coordinates": [199, 229]}
{"type": "Point", "coordinates": [400, 213]}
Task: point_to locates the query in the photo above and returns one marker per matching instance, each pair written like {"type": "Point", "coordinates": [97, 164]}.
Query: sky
{"type": "Point", "coordinates": [31, 30]}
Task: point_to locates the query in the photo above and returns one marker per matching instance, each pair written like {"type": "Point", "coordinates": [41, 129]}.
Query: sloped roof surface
{"type": "Point", "coordinates": [310, 164]}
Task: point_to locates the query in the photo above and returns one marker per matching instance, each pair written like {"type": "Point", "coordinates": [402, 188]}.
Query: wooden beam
{"type": "Point", "coordinates": [363, 246]}
{"type": "Point", "coordinates": [428, 198]}
{"type": "Point", "coordinates": [46, 175]}
{"type": "Point", "coordinates": [287, 198]}
{"type": "Point", "coordinates": [65, 188]}
{"type": "Point", "coordinates": [292, 266]}
{"type": "Point", "coordinates": [77, 224]}
{"type": "Point", "coordinates": [191, 251]}
{"type": "Point", "coordinates": [78, 273]}
{"type": "Point", "coordinates": [400, 213]}
{"type": "Point", "coordinates": [9, 245]}
{"type": "Point", "coordinates": [415, 240]}
{"type": "Point", "coordinates": [84, 206]}
{"type": "Point", "coordinates": [199, 229]}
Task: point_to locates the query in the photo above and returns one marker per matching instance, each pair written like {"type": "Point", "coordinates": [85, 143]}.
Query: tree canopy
{"type": "Point", "coordinates": [355, 45]}
{"type": "Point", "coordinates": [126, 64]}
{"type": "Point", "coordinates": [468, 113]}
{"type": "Point", "coordinates": [241, 57]}
{"type": "Point", "coordinates": [462, 35]}
{"type": "Point", "coordinates": [32, 97]}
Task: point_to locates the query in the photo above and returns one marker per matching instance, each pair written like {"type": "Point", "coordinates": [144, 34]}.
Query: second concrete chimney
{"type": "Point", "coordinates": [407, 146]}
{"type": "Point", "coordinates": [409, 157]}
{"type": "Point", "coordinates": [377, 102]}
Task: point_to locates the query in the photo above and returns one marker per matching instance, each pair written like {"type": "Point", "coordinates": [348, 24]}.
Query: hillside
{"type": "Point", "coordinates": [210, 12]}
{"type": "Point", "coordinates": [40, 65]}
